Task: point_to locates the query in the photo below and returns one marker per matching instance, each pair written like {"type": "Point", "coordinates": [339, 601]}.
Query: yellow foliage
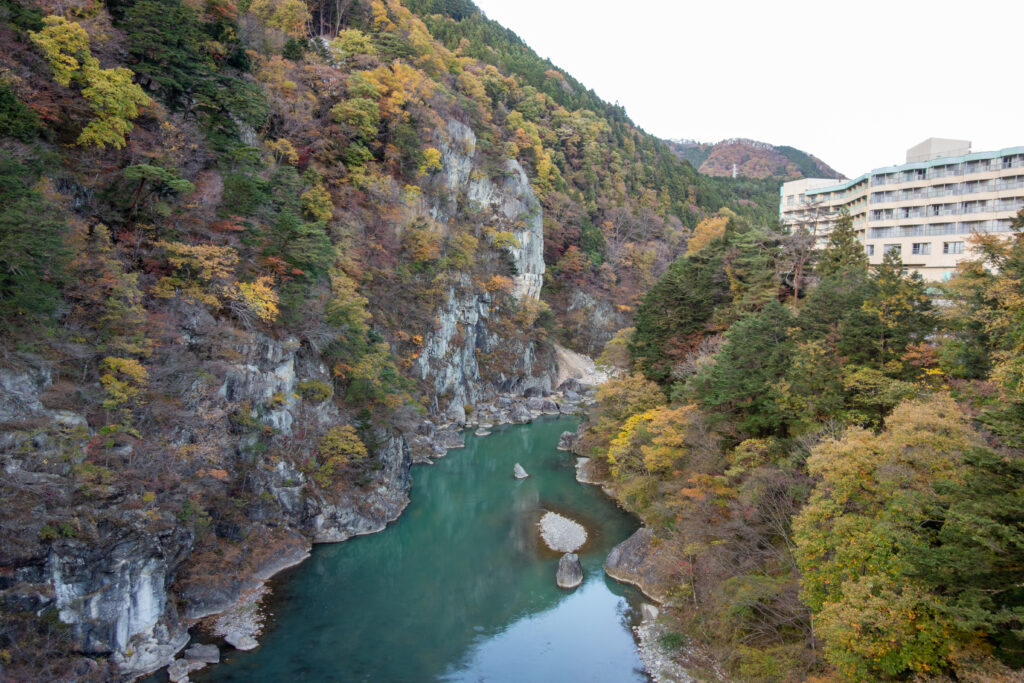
{"type": "Point", "coordinates": [203, 272]}
{"type": "Point", "coordinates": [708, 230]}
{"type": "Point", "coordinates": [317, 202]}
{"type": "Point", "coordinates": [339, 446]}
{"type": "Point", "coordinates": [112, 94]}
{"type": "Point", "coordinates": [123, 380]}
{"type": "Point", "coordinates": [260, 298]}
{"type": "Point", "coordinates": [283, 151]}
{"type": "Point", "coordinates": [652, 440]}
{"type": "Point", "coordinates": [502, 239]}
{"type": "Point", "coordinates": [499, 283]}
{"type": "Point", "coordinates": [431, 160]}
{"type": "Point", "coordinates": [352, 41]}
{"type": "Point", "coordinates": [66, 46]}
{"type": "Point", "coordinates": [381, 21]}
{"type": "Point", "coordinates": [422, 242]}
{"type": "Point", "coordinates": [290, 16]}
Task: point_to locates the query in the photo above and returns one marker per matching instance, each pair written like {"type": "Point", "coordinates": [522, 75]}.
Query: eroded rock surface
{"type": "Point", "coordinates": [643, 562]}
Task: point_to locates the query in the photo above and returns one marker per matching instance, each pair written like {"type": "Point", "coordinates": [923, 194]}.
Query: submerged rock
{"type": "Point", "coordinates": [570, 571]}
{"type": "Point", "coordinates": [561, 533]}
{"type": "Point", "coordinates": [518, 472]}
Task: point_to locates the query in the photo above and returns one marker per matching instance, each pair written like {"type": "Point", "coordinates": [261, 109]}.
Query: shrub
{"type": "Point", "coordinates": [314, 390]}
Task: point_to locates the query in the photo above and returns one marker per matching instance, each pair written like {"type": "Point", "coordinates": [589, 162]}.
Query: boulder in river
{"type": "Point", "coordinates": [179, 669]}
{"type": "Point", "coordinates": [518, 472]}
{"type": "Point", "coordinates": [561, 533]}
{"type": "Point", "coordinates": [566, 441]}
{"type": "Point", "coordinates": [570, 571]}
{"type": "Point", "coordinates": [203, 653]}
{"type": "Point", "coordinates": [241, 641]}
{"type": "Point", "coordinates": [644, 562]}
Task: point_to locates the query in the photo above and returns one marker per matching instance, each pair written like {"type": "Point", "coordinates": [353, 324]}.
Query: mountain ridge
{"type": "Point", "coordinates": [752, 159]}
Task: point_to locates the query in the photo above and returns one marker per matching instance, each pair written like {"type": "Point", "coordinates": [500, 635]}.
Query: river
{"type": "Point", "coordinates": [460, 588]}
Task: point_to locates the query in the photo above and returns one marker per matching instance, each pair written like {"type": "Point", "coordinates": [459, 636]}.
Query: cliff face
{"type": "Point", "coordinates": [113, 580]}
{"type": "Point", "coordinates": [130, 583]}
{"type": "Point", "coordinates": [248, 287]}
{"type": "Point", "coordinates": [464, 324]}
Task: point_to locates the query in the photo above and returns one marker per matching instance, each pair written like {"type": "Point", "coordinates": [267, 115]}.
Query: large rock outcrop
{"type": "Point", "coordinates": [508, 199]}
{"type": "Point", "coordinates": [464, 328]}
{"type": "Point", "coordinates": [643, 562]}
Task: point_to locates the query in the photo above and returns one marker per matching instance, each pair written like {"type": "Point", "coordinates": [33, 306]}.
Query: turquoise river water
{"type": "Point", "coordinates": [460, 588]}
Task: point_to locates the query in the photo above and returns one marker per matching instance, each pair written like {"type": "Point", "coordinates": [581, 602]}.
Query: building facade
{"type": "Point", "coordinates": [924, 209]}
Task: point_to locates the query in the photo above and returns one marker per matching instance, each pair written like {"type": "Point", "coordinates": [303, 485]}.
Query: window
{"type": "Point", "coordinates": [889, 248]}
{"type": "Point", "coordinates": [921, 248]}
{"type": "Point", "coordinates": [952, 247]}
{"type": "Point", "coordinates": [789, 200]}
{"type": "Point", "coordinates": [870, 249]}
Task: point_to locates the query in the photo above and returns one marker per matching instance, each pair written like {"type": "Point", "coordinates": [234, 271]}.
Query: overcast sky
{"type": "Point", "coordinates": [854, 83]}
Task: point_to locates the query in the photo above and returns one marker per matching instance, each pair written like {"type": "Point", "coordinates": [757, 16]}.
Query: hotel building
{"type": "Point", "coordinates": [924, 209]}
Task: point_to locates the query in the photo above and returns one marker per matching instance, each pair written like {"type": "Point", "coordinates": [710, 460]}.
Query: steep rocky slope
{"type": "Point", "coordinates": [253, 270]}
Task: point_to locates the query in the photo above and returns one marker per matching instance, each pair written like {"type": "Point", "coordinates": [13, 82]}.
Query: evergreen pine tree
{"type": "Point", "coordinates": [843, 250]}
{"type": "Point", "coordinates": [901, 304]}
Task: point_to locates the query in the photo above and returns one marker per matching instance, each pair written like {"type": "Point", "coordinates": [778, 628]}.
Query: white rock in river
{"type": "Point", "coordinates": [561, 533]}
{"type": "Point", "coordinates": [241, 641]}
{"type": "Point", "coordinates": [570, 571]}
{"type": "Point", "coordinates": [518, 472]}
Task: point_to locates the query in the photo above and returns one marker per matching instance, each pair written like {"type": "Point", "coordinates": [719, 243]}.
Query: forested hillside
{"type": "Point", "coordinates": [752, 159]}
{"type": "Point", "coordinates": [260, 256]}
{"type": "Point", "coordinates": [828, 457]}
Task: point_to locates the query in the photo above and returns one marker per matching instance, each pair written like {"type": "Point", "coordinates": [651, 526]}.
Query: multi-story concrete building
{"type": "Point", "coordinates": [923, 209]}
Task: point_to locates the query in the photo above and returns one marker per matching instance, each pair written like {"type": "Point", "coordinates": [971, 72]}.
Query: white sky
{"type": "Point", "coordinates": [855, 82]}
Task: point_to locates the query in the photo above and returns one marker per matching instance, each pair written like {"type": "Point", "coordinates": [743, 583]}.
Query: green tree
{"type": "Point", "coordinates": [16, 119]}
{"type": "Point", "coordinates": [902, 306]}
{"type": "Point", "coordinates": [32, 249]}
{"type": "Point", "coordinates": [742, 385]}
{"type": "Point", "coordinates": [909, 547]}
{"type": "Point", "coordinates": [843, 251]}
{"type": "Point", "coordinates": [675, 314]}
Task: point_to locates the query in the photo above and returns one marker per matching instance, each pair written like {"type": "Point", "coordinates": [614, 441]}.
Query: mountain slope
{"type": "Point", "coordinates": [752, 159]}
{"type": "Point", "coordinates": [260, 257]}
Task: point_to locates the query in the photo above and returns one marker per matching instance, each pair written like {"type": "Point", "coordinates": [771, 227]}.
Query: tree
{"type": "Point", "coordinates": [675, 314]}
{"type": "Point", "coordinates": [16, 119]}
{"type": "Point", "coordinates": [112, 94]}
{"type": "Point", "coordinates": [902, 306]}
{"type": "Point", "coordinates": [742, 385]}
{"type": "Point", "coordinates": [289, 16]}
{"type": "Point", "coordinates": [155, 181]}
{"type": "Point", "coordinates": [843, 251]}
{"type": "Point", "coordinates": [32, 249]}
{"type": "Point", "coordinates": [619, 399]}
{"type": "Point", "coordinates": [872, 511]}
{"type": "Point", "coordinates": [708, 230]}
